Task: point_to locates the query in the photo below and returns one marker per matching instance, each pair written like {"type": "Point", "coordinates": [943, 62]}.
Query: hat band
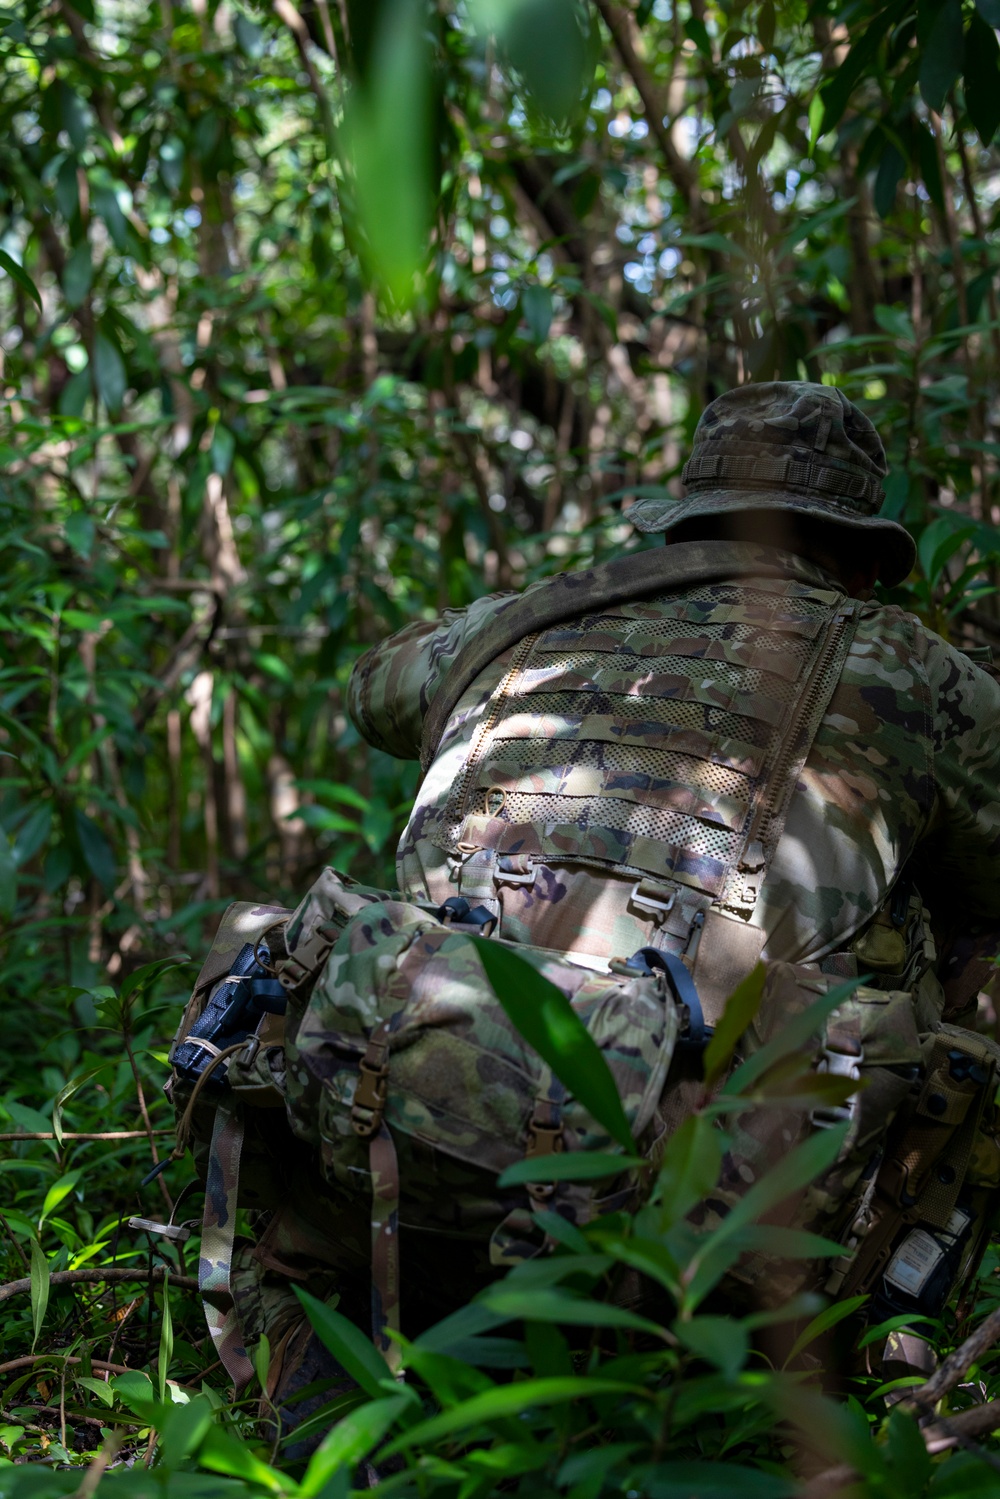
{"type": "Point", "coordinates": [754, 472]}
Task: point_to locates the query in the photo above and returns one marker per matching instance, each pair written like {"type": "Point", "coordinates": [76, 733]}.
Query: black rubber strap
{"type": "Point", "coordinates": [683, 986]}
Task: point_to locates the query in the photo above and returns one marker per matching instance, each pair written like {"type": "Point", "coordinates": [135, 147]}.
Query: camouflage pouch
{"type": "Point", "coordinates": [419, 1092]}
{"type": "Point", "coordinates": [921, 1147]}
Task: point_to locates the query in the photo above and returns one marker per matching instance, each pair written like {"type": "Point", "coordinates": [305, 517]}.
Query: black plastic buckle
{"type": "Point", "coordinates": [456, 911]}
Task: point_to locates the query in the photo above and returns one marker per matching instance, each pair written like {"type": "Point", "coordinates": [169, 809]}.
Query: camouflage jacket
{"type": "Point", "coordinates": [906, 760]}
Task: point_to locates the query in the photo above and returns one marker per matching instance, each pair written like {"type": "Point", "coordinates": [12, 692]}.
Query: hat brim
{"type": "Point", "coordinates": [897, 551]}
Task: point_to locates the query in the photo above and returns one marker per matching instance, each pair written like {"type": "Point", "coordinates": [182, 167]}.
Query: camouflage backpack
{"type": "Point", "coordinates": [392, 1091]}
{"type": "Point", "coordinates": [400, 1069]}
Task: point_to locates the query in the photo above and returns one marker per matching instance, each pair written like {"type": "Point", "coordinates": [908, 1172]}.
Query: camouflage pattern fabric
{"type": "Point", "coordinates": [217, 1241]}
{"type": "Point", "coordinates": [463, 1091]}
{"type": "Point", "coordinates": [907, 759]}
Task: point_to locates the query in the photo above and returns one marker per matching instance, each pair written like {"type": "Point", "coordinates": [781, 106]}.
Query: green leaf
{"type": "Point", "coordinates": [536, 307]}
{"type": "Point", "coordinates": [817, 110]}
{"type": "Point", "coordinates": [837, 1312]}
{"type": "Point", "coordinates": [8, 877]}
{"type": "Point", "coordinates": [982, 78]}
{"type": "Point", "coordinates": [547, 1021]}
{"type": "Point", "coordinates": [134, 1390]}
{"type": "Point", "coordinates": [98, 1387]}
{"type": "Point", "coordinates": [109, 373]}
{"type": "Point", "coordinates": [96, 849]}
{"type": "Point", "coordinates": [249, 37]}
{"type": "Point", "coordinates": [509, 1400]}
{"type": "Point", "coordinates": [577, 1166]}
{"type": "Point", "coordinates": [223, 1453]}
{"type": "Point", "coordinates": [107, 207]}
{"type": "Point", "coordinates": [19, 274]}
{"type": "Point", "coordinates": [39, 1289]}
{"type": "Point", "coordinates": [221, 450]}
{"type": "Point", "coordinates": [80, 531]}
{"type": "Point", "coordinates": [262, 1360]}
{"type": "Point", "coordinates": [183, 1430]}
{"type": "Point", "coordinates": [348, 1344]}
{"type": "Point", "coordinates": [58, 1192]}
{"type": "Point", "coordinates": [941, 55]}
{"type": "Point", "coordinates": [741, 1008]}
{"type": "Point", "coordinates": [837, 91]}
{"type": "Point", "coordinates": [166, 1339]}
{"type": "Point", "coordinates": [796, 1032]}
{"type": "Point", "coordinates": [351, 1440]}
{"type": "Point", "coordinates": [887, 180]}
{"type": "Point", "coordinates": [553, 1304]}
{"type": "Point", "coordinates": [723, 1341]}
{"type": "Point", "coordinates": [387, 143]}
{"type": "Point", "coordinates": [896, 321]}
{"type": "Point", "coordinates": [707, 1480]}
{"type": "Point", "coordinates": [689, 1169]}
{"type": "Point", "coordinates": [78, 275]}
{"type": "Point", "coordinates": [545, 42]}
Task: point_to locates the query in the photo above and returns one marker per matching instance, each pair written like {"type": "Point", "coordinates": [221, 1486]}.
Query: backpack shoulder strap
{"type": "Point", "coordinates": [568, 595]}
{"type": "Point", "coordinates": [730, 945]}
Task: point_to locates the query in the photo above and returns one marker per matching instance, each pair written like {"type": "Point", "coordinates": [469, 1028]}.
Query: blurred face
{"type": "Point", "coordinates": [853, 567]}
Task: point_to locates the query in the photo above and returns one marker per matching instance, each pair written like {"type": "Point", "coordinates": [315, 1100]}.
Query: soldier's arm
{"type": "Point", "coordinates": [393, 684]}
{"type": "Point", "coordinates": [963, 848]}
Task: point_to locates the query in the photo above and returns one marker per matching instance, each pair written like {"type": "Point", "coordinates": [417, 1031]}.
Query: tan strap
{"type": "Point", "coordinates": [545, 1137]}
{"type": "Point", "coordinates": [215, 1263]}
{"type": "Point", "coordinates": [372, 1088]}
{"type": "Point", "coordinates": [385, 1244]}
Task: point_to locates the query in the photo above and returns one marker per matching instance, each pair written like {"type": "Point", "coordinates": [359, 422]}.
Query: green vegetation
{"type": "Point", "coordinates": [316, 320]}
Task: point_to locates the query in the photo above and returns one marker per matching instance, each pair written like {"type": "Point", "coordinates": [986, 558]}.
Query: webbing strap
{"type": "Point", "coordinates": [568, 595]}
{"type": "Point", "coordinates": [218, 1232]}
{"type": "Point", "coordinates": [385, 1244]}
{"type": "Point", "coordinates": [787, 472]}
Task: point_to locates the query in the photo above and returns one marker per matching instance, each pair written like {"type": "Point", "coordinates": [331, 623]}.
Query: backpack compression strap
{"type": "Point", "coordinates": [568, 595]}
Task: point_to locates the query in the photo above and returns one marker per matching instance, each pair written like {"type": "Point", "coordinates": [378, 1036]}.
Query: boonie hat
{"type": "Point", "coordinates": [787, 445]}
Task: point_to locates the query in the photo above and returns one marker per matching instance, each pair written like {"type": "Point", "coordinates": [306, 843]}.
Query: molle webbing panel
{"type": "Point", "coordinates": [641, 739]}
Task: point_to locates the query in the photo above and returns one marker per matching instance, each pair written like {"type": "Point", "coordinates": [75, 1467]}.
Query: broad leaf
{"type": "Point", "coordinates": [741, 1008]}
{"type": "Point", "coordinates": [39, 1289]}
{"type": "Point", "coordinates": [347, 1343]}
{"type": "Point", "coordinates": [510, 1400]}
{"type": "Point", "coordinates": [548, 1022]}
{"type": "Point", "coordinates": [19, 274]}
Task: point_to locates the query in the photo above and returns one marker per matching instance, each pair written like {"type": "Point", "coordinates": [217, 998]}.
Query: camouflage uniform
{"type": "Point", "coordinates": [594, 785]}
{"type": "Point", "coordinates": [905, 763]}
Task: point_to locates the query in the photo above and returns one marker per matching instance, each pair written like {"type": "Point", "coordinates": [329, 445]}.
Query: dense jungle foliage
{"type": "Point", "coordinates": [318, 318]}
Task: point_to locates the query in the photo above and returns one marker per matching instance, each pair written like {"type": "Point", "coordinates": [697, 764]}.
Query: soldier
{"type": "Point", "coordinates": [626, 778]}
{"type": "Point", "coordinates": [716, 751]}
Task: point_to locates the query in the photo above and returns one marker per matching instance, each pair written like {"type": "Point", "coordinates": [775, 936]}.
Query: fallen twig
{"type": "Point", "coordinates": [37, 1358]}
{"type": "Point", "coordinates": [97, 1277]}
{"type": "Point", "coordinates": [67, 1134]}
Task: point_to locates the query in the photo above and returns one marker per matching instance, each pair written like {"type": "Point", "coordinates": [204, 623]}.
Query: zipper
{"type": "Point", "coordinates": [491, 718]}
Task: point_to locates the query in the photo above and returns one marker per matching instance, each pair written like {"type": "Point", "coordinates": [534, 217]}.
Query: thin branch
{"type": "Point", "coordinates": [955, 1367]}
{"type": "Point", "coordinates": [99, 1277]}
{"type": "Point", "coordinates": [27, 1359]}
{"type": "Point", "coordinates": [108, 1134]}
